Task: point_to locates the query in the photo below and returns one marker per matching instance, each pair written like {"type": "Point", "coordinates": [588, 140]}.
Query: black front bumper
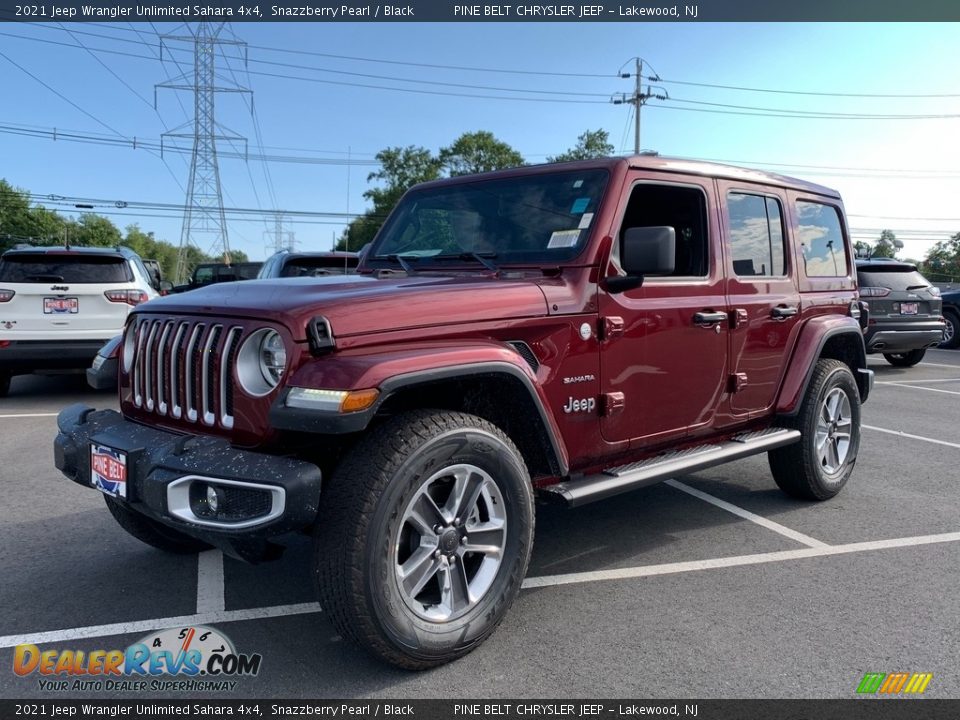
{"type": "Point", "coordinates": [161, 464]}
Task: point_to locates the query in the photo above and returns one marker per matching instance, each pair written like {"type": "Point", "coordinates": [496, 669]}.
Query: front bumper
{"type": "Point", "coordinates": [162, 466]}
{"type": "Point", "coordinates": [25, 356]}
{"type": "Point", "coordinates": [895, 337]}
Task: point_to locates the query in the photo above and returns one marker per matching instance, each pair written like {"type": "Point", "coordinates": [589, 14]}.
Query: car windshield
{"type": "Point", "coordinates": [544, 217]}
{"type": "Point", "coordinates": [315, 266]}
{"type": "Point", "coordinates": [897, 278]}
{"type": "Point", "coordinates": [62, 267]}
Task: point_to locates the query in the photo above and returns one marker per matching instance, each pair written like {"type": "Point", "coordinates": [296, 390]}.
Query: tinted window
{"type": "Point", "coordinates": [54, 267]}
{"type": "Point", "coordinates": [821, 239]}
{"type": "Point", "coordinates": [894, 278]}
{"type": "Point", "coordinates": [756, 235]}
{"type": "Point", "coordinates": [682, 208]}
{"type": "Point", "coordinates": [532, 218]}
{"type": "Point", "coordinates": [315, 266]}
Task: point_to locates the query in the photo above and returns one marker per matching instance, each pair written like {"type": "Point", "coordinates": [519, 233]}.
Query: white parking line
{"type": "Point", "coordinates": [900, 433]}
{"type": "Point", "coordinates": [29, 415]}
{"type": "Point", "coordinates": [906, 382]}
{"type": "Point", "coordinates": [222, 616]}
{"type": "Point", "coordinates": [928, 364]}
{"type": "Point", "coordinates": [736, 561]}
{"type": "Point", "coordinates": [747, 515]}
{"type": "Point", "coordinates": [918, 387]}
{"type": "Point", "coordinates": [210, 581]}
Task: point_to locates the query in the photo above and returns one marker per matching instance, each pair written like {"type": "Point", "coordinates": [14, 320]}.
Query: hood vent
{"type": "Point", "coordinates": [526, 353]}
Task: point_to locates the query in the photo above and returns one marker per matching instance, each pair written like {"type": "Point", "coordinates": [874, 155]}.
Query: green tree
{"type": "Point", "coordinates": [942, 262]}
{"type": "Point", "coordinates": [478, 152]}
{"type": "Point", "coordinates": [94, 231]}
{"type": "Point", "coordinates": [887, 245]}
{"type": "Point", "coordinates": [591, 144]}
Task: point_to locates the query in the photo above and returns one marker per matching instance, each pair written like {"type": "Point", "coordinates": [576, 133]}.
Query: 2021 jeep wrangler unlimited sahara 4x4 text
{"type": "Point", "coordinates": [573, 330]}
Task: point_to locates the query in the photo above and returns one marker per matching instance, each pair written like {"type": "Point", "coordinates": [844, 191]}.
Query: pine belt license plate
{"type": "Point", "coordinates": [108, 470]}
{"type": "Point", "coordinates": [909, 308]}
{"type": "Point", "coordinates": [61, 306]}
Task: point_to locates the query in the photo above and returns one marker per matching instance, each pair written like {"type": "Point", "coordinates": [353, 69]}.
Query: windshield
{"type": "Point", "coordinates": [531, 218]}
{"type": "Point", "coordinates": [896, 277]}
{"type": "Point", "coordinates": [61, 267]}
{"type": "Point", "coordinates": [308, 266]}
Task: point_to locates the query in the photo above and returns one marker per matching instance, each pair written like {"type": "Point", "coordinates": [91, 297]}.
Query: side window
{"type": "Point", "coordinates": [682, 208]}
{"type": "Point", "coordinates": [756, 235]}
{"type": "Point", "coordinates": [821, 240]}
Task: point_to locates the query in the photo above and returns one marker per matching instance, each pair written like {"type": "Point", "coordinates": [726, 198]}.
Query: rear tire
{"type": "Point", "coordinates": [817, 467]}
{"type": "Point", "coordinates": [424, 536]}
{"type": "Point", "coordinates": [4, 384]}
{"type": "Point", "coordinates": [951, 338]}
{"type": "Point", "coordinates": [905, 359]}
{"type": "Point", "coordinates": [153, 533]}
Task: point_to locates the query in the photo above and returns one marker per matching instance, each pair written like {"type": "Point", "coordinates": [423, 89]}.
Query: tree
{"type": "Point", "coordinates": [887, 245]}
{"type": "Point", "coordinates": [591, 144]}
{"type": "Point", "coordinates": [400, 169]}
{"type": "Point", "coordinates": [478, 152]}
{"type": "Point", "coordinates": [943, 259]}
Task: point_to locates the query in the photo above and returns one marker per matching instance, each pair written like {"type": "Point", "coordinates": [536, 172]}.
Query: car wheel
{"type": "Point", "coordinates": [424, 537]}
{"type": "Point", "coordinates": [152, 532]}
{"type": "Point", "coordinates": [819, 465]}
{"type": "Point", "coordinates": [4, 384]}
{"type": "Point", "coordinates": [905, 359]}
{"type": "Point", "coordinates": [951, 338]}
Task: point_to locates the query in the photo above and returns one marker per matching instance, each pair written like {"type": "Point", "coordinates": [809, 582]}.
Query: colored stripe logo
{"type": "Point", "coordinates": [894, 683]}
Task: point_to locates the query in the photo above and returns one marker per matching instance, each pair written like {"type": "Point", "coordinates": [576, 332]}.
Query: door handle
{"type": "Point", "coordinates": [782, 313]}
{"type": "Point", "coordinates": [708, 317]}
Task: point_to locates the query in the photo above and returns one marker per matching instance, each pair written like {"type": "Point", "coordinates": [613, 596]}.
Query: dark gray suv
{"type": "Point", "coordinates": [905, 310]}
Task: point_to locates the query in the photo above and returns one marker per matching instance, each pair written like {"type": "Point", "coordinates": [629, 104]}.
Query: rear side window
{"type": "Point", "coordinates": [756, 235]}
{"type": "Point", "coordinates": [821, 240]}
{"type": "Point", "coordinates": [54, 267]}
{"type": "Point", "coordinates": [897, 278]}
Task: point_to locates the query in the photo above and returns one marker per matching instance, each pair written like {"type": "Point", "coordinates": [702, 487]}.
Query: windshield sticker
{"type": "Point", "coordinates": [579, 205]}
{"type": "Point", "coordinates": [585, 221]}
{"type": "Point", "coordinates": [563, 239]}
{"type": "Point", "coordinates": [578, 184]}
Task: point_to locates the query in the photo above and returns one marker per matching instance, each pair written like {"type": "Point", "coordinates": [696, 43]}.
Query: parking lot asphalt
{"type": "Point", "coordinates": [713, 585]}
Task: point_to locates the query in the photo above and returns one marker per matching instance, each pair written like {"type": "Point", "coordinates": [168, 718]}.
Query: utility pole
{"type": "Point", "coordinates": [638, 98]}
{"type": "Point", "coordinates": [203, 215]}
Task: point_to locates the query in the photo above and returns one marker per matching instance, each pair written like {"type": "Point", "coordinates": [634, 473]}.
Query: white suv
{"type": "Point", "coordinates": [59, 305]}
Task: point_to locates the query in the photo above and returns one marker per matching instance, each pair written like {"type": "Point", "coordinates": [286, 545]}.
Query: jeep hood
{"type": "Point", "coordinates": [359, 304]}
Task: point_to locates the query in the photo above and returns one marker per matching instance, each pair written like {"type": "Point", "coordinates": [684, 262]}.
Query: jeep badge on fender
{"type": "Point", "coordinates": [406, 416]}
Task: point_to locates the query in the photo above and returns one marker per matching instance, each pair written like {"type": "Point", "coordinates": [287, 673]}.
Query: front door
{"type": "Point", "coordinates": [664, 357]}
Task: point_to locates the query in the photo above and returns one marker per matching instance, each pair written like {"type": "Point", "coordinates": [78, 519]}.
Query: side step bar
{"type": "Point", "coordinates": [622, 478]}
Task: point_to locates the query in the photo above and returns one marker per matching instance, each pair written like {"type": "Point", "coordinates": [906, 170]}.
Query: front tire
{"type": "Point", "coordinates": [153, 533]}
{"type": "Point", "coordinates": [905, 359]}
{"type": "Point", "coordinates": [424, 537]}
{"type": "Point", "coordinates": [819, 465]}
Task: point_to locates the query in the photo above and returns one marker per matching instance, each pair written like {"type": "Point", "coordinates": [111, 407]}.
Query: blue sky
{"type": "Point", "coordinates": [915, 162]}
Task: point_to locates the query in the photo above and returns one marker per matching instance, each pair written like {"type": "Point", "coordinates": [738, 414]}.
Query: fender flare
{"type": "Point", "coordinates": [795, 384]}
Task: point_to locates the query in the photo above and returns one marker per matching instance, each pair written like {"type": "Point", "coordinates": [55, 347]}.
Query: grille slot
{"type": "Point", "coordinates": [526, 352]}
{"type": "Point", "coordinates": [184, 370]}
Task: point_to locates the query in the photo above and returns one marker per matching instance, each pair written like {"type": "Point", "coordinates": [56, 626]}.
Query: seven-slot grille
{"type": "Point", "coordinates": [184, 369]}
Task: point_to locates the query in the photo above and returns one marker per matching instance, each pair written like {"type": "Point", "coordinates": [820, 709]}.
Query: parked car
{"type": "Point", "coordinates": [59, 305]}
{"type": "Point", "coordinates": [951, 316]}
{"type": "Point", "coordinates": [287, 263]}
{"type": "Point", "coordinates": [211, 273]}
{"type": "Point", "coordinates": [574, 330]}
{"type": "Point", "coordinates": [905, 310]}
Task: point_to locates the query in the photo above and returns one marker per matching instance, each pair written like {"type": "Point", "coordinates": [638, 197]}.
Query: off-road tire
{"type": "Point", "coordinates": [797, 468]}
{"type": "Point", "coordinates": [905, 359]}
{"type": "Point", "coordinates": [4, 384]}
{"type": "Point", "coordinates": [360, 514]}
{"type": "Point", "coordinates": [153, 533]}
{"type": "Point", "coordinates": [953, 320]}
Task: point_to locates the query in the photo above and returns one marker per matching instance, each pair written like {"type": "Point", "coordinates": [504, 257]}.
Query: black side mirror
{"type": "Point", "coordinates": [644, 251]}
{"type": "Point", "coordinates": [164, 287]}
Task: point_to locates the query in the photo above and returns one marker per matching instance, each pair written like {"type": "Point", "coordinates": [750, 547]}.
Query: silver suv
{"type": "Point", "coordinates": [59, 305]}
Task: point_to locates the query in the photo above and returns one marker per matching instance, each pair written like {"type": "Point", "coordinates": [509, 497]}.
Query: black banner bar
{"type": "Point", "coordinates": [854, 709]}
{"type": "Point", "coordinates": [178, 11]}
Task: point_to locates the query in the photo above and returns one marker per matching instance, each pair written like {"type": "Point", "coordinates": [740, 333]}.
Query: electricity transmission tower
{"type": "Point", "coordinates": [638, 98]}
{"type": "Point", "coordinates": [204, 224]}
{"type": "Point", "coordinates": [280, 239]}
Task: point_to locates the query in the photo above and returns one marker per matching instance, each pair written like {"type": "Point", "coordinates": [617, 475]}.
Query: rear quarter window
{"type": "Point", "coordinates": [52, 267]}
{"type": "Point", "coordinates": [821, 239]}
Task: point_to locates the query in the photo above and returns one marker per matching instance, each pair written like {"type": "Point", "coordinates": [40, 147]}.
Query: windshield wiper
{"type": "Point", "coordinates": [482, 258]}
{"type": "Point", "coordinates": [402, 261]}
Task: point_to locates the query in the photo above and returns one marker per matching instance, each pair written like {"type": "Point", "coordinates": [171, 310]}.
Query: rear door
{"type": "Point", "coordinates": [762, 293]}
{"type": "Point", "coordinates": [62, 293]}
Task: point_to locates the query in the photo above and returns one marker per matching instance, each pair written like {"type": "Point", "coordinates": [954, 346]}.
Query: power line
{"type": "Point", "coordinates": [809, 92]}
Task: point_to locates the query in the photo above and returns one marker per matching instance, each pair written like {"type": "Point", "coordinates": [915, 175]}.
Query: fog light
{"type": "Point", "coordinates": [213, 499]}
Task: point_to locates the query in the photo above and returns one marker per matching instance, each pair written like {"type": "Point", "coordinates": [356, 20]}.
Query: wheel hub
{"type": "Point", "coordinates": [449, 541]}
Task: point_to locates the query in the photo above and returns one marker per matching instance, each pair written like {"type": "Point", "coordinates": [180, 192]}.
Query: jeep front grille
{"type": "Point", "coordinates": [184, 369]}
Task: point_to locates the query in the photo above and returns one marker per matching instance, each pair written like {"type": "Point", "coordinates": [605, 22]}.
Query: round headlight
{"type": "Point", "coordinates": [127, 353]}
{"type": "Point", "coordinates": [273, 357]}
{"type": "Point", "coordinates": [261, 361]}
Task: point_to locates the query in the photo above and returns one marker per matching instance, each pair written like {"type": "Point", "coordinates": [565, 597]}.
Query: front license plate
{"type": "Point", "coordinates": [60, 306]}
{"type": "Point", "coordinates": [908, 308]}
{"type": "Point", "coordinates": [108, 470]}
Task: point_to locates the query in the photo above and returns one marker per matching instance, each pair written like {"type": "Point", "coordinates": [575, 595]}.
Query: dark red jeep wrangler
{"type": "Point", "coordinates": [573, 331]}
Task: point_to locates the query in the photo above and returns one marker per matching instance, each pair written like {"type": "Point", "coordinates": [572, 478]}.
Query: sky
{"type": "Point", "coordinates": [897, 173]}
